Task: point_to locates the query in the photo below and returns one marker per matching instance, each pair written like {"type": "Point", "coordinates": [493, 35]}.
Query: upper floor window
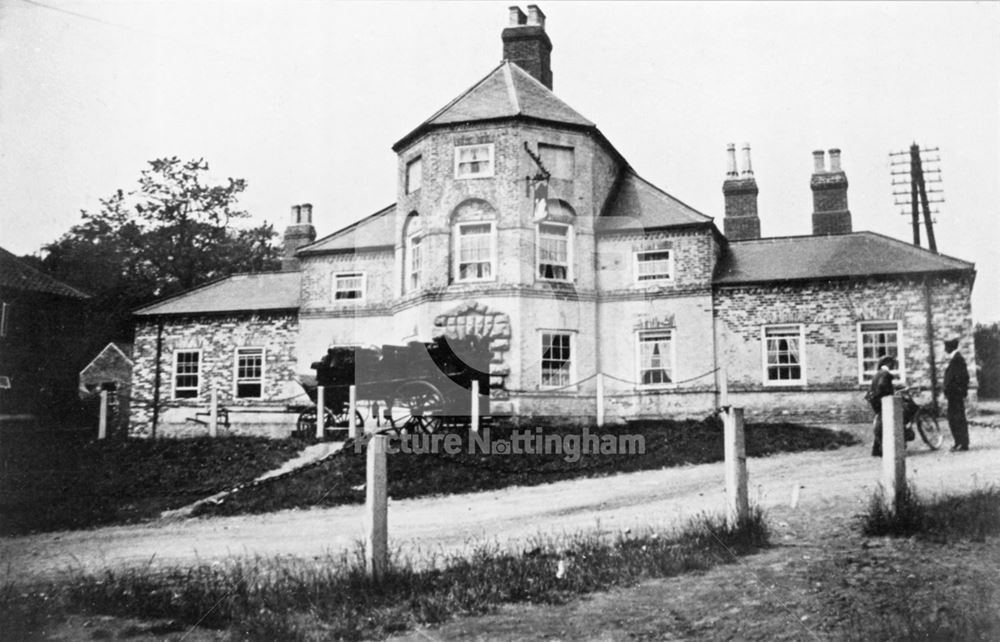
{"type": "Point", "coordinates": [555, 251]}
{"type": "Point", "coordinates": [249, 373]}
{"type": "Point", "coordinates": [474, 161]}
{"type": "Point", "coordinates": [414, 261]}
{"type": "Point", "coordinates": [559, 161]}
{"type": "Point", "coordinates": [187, 374]}
{"type": "Point", "coordinates": [784, 357]}
{"type": "Point", "coordinates": [656, 358]}
{"type": "Point", "coordinates": [348, 286]}
{"type": "Point", "coordinates": [475, 251]}
{"type": "Point", "coordinates": [414, 174]}
{"type": "Point", "coordinates": [556, 359]}
{"type": "Point", "coordinates": [654, 265]}
{"type": "Point", "coordinates": [877, 339]}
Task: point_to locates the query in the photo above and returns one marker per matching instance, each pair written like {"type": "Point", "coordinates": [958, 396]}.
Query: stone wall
{"type": "Point", "coordinates": [217, 337]}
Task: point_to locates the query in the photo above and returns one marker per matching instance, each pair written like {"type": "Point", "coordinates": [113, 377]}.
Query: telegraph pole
{"type": "Point", "coordinates": [911, 165]}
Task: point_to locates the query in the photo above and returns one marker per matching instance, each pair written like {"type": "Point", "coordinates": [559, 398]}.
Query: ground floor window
{"type": "Point", "coordinates": [656, 358]}
{"type": "Point", "coordinates": [556, 359]}
{"type": "Point", "coordinates": [187, 374]}
{"type": "Point", "coordinates": [783, 355]}
{"type": "Point", "coordinates": [249, 373]}
{"type": "Point", "coordinates": [877, 339]}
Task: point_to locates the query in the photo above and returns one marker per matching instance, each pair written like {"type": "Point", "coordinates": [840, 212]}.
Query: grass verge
{"type": "Point", "coordinates": [971, 516]}
{"type": "Point", "coordinates": [667, 444]}
{"type": "Point", "coordinates": [55, 480]}
{"type": "Point", "coordinates": [335, 599]}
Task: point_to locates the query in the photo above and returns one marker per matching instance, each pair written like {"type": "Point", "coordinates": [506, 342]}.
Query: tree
{"type": "Point", "coordinates": [987, 340]}
{"type": "Point", "coordinates": [173, 233]}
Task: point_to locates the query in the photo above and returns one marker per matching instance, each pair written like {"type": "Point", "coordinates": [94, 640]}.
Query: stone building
{"type": "Point", "coordinates": [515, 219]}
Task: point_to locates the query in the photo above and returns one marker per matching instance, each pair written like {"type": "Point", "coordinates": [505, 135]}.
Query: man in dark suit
{"type": "Point", "coordinates": [956, 387]}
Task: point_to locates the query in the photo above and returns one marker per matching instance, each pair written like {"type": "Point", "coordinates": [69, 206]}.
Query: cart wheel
{"type": "Point", "coordinates": [339, 419]}
{"type": "Point", "coordinates": [416, 407]}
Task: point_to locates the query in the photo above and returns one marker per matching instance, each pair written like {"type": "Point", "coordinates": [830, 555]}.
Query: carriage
{"type": "Point", "coordinates": [418, 387]}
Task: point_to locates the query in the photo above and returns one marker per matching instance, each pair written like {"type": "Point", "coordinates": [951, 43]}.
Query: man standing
{"type": "Point", "coordinates": [956, 387]}
{"type": "Point", "coordinates": [882, 386]}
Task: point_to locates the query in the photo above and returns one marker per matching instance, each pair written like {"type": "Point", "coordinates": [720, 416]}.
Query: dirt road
{"type": "Point", "coordinates": [832, 483]}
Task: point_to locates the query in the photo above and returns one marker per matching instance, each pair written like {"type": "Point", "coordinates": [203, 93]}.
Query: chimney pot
{"type": "Point", "coordinates": [295, 214]}
{"type": "Point", "coordinates": [306, 217]}
{"type": "Point", "coordinates": [731, 171]}
{"type": "Point", "coordinates": [819, 161]}
{"type": "Point", "coordinates": [834, 160]}
{"type": "Point", "coordinates": [517, 17]}
{"type": "Point", "coordinates": [535, 16]}
{"type": "Point", "coordinates": [747, 167]}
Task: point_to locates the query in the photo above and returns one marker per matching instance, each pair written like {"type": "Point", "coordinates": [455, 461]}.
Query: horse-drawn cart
{"type": "Point", "coordinates": [419, 387]}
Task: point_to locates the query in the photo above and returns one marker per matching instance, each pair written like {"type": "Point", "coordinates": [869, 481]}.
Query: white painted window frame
{"type": "Point", "coordinates": [492, 161]}
{"type": "Point", "coordinates": [669, 278]}
{"type": "Point", "coordinates": [569, 385]}
{"type": "Point", "coordinates": [640, 366]}
{"type": "Point", "coordinates": [236, 371]}
{"type": "Point", "coordinates": [413, 239]}
{"type": "Point", "coordinates": [173, 373]}
{"type": "Point", "coordinates": [334, 289]}
{"type": "Point", "coordinates": [803, 361]}
{"type": "Point", "coordinates": [570, 243]}
{"type": "Point", "coordinates": [900, 349]}
{"type": "Point", "coordinates": [457, 234]}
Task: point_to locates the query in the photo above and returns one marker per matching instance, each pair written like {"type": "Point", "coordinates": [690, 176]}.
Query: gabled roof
{"type": "Point", "coordinates": [236, 293]}
{"type": "Point", "coordinates": [15, 274]}
{"type": "Point", "coordinates": [506, 92]}
{"type": "Point", "coordinates": [119, 347]}
{"type": "Point", "coordinates": [858, 254]}
{"type": "Point", "coordinates": [374, 231]}
{"type": "Point", "coordinates": [640, 205]}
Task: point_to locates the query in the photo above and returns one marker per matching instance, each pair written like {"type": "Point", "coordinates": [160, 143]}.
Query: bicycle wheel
{"type": "Point", "coordinates": [929, 430]}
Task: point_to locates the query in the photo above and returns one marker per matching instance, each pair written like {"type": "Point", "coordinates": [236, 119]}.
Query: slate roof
{"type": "Point", "coordinates": [506, 92]}
{"type": "Point", "coordinates": [374, 231]}
{"type": "Point", "coordinates": [858, 254]}
{"type": "Point", "coordinates": [236, 293]}
{"type": "Point", "coordinates": [15, 274]}
{"type": "Point", "coordinates": [640, 205]}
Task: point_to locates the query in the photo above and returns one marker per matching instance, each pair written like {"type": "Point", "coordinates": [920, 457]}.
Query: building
{"type": "Point", "coordinates": [40, 326]}
{"type": "Point", "coordinates": [110, 371]}
{"type": "Point", "coordinates": [516, 220]}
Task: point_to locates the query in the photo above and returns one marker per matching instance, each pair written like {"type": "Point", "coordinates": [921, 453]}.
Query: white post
{"type": "Point", "coordinates": [320, 412]}
{"type": "Point", "coordinates": [737, 497]}
{"type": "Point", "coordinates": [600, 399]}
{"type": "Point", "coordinates": [376, 508]}
{"type": "Point", "coordinates": [723, 388]}
{"type": "Point", "coordinates": [352, 409]}
{"type": "Point", "coordinates": [102, 421]}
{"type": "Point", "coordinates": [213, 414]}
{"type": "Point", "coordinates": [475, 405]}
{"type": "Point", "coordinates": [893, 451]}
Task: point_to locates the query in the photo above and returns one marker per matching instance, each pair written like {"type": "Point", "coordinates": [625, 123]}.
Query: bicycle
{"type": "Point", "coordinates": [918, 420]}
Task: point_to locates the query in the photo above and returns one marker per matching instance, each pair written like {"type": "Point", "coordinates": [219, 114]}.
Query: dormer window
{"type": "Point", "coordinates": [474, 161]}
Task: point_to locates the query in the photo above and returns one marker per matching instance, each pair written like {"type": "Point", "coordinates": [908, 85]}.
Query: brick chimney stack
{"type": "Point", "coordinates": [526, 44]}
{"type": "Point", "coordinates": [740, 190]}
{"type": "Point", "coordinates": [299, 233]}
{"type": "Point", "coordinates": [829, 188]}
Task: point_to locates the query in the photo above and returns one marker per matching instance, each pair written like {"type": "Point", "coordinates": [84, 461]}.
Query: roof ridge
{"type": "Point", "coordinates": [511, 90]}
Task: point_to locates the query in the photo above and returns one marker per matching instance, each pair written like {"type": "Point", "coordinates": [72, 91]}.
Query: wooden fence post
{"type": "Point", "coordinates": [213, 414]}
{"type": "Point", "coordinates": [893, 451]}
{"type": "Point", "coordinates": [376, 508]}
{"type": "Point", "coordinates": [352, 409]}
{"type": "Point", "coordinates": [600, 399]}
{"type": "Point", "coordinates": [320, 412]}
{"type": "Point", "coordinates": [737, 497]}
{"type": "Point", "coordinates": [102, 421]}
{"type": "Point", "coordinates": [475, 406]}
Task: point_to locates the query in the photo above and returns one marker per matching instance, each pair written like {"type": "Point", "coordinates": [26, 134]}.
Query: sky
{"type": "Point", "coordinates": [305, 99]}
